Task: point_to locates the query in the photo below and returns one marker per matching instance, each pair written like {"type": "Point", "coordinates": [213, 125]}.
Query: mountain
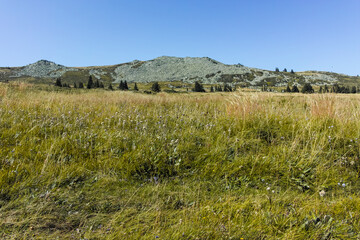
{"type": "Point", "coordinates": [171, 69]}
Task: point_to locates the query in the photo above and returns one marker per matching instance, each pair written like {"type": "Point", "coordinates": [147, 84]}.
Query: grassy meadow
{"type": "Point", "coordinates": [96, 164]}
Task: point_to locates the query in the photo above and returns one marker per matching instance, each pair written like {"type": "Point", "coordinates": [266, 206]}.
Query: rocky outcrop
{"type": "Point", "coordinates": [186, 69]}
{"type": "Point", "coordinates": [42, 69]}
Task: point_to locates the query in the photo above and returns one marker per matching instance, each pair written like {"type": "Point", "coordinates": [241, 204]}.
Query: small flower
{"type": "Point", "coordinates": [343, 185]}
{"type": "Point", "coordinates": [322, 193]}
{"type": "Point", "coordinates": [268, 188]}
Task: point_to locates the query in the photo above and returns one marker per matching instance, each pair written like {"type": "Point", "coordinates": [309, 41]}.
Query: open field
{"type": "Point", "coordinates": [96, 164]}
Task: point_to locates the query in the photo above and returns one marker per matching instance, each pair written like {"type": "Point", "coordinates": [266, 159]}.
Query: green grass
{"type": "Point", "coordinates": [120, 165]}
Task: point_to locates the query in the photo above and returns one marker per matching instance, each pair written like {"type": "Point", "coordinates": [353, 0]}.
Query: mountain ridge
{"type": "Point", "coordinates": [170, 69]}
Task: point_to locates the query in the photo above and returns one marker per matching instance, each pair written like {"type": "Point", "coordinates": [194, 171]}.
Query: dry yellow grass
{"type": "Point", "coordinates": [101, 164]}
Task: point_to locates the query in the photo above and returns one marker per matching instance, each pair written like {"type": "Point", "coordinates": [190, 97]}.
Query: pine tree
{"type": "Point", "coordinates": [287, 89]}
{"type": "Point", "coordinates": [110, 87]}
{"type": "Point", "coordinates": [277, 70]}
{"type": "Point", "coordinates": [155, 87]}
{"type": "Point", "coordinates": [126, 86]}
{"type": "Point", "coordinates": [96, 84]}
{"type": "Point", "coordinates": [321, 90]}
{"type": "Point", "coordinates": [292, 71]}
{"type": "Point", "coordinates": [326, 89]}
{"type": "Point", "coordinates": [136, 87]}
{"type": "Point", "coordinates": [75, 86]}
{"type": "Point", "coordinates": [336, 88]}
{"type": "Point", "coordinates": [90, 83]}
{"type": "Point", "coordinates": [81, 85]}
{"type": "Point", "coordinates": [211, 89]}
{"type": "Point", "coordinates": [295, 89]}
{"type": "Point", "coordinates": [58, 82]}
{"type": "Point", "coordinates": [285, 70]}
{"type": "Point", "coordinates": [198, 87]}
{"type": "Point", "coordinates": [101, 85]}
{"type": "Point", "coordinates": [353, 89]}
{"type": "Point", "coordinates": [121, 85]}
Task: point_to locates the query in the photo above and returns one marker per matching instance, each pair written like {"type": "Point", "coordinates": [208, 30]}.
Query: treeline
{"type": "Point", "coordinates": [91, 84]}
{"type": "Point", "coordinates": [335, 88]}
{"type": "Point", "coordinates": [123, 85]}
{"type": "Point", "coordinates": [198, 87]}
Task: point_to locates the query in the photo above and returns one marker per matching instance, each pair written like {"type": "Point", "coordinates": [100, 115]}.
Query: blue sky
{"type": "Point", "coordinates": [292, 34]}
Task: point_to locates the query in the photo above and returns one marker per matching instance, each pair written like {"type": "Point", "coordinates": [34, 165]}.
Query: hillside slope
{"type": "Point", "coordinates": [170, 69]}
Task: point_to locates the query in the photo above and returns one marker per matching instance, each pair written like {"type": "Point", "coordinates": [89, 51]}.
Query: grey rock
{"type": "Point", "coordinates": [43, 68]}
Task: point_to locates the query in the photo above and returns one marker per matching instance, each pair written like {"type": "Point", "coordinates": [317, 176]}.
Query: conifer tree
{"type": "Point", "coordinates": [277, 70]}
{"type": "Point", "coordinates": [211, 89]}
{"type": "Point", "coordinates": [336, 88]}
{"type": "Point", "coordinates": [321, 90]}
{"type": "Point", "coordinates": [292, 71]}
{"type": "Point", "coordinates": [126, 86]}
{"type": "Point", "coordinates": [295, 89]}
{"type": "Point", "coordinates": [285, 70]}
{"type": "Point", "coordinates": [58, 82]}
{"type": "Point", "coordinates": [81, 85]}
{"type": "Point", "coordinates": [326, 89]}
{"type": "Point", "coordinates": [307, 88]}
{"type": "Point", "coordinates": [96, 84]}
{"type": "Point", "coordinates": [101, 85]}
{"type": "Point", "coordinates": [353, 89]}
{"type": "Point", "coordinates": [75, 86]}
{"type": "Point", "coordinates": [121, 85]}
{"type": "Point", "coordinates": [287, 89]}
{"type": "Point", "coordinates": [155, 87]}
{"type": "Point", "coordinates": [136, 87]}
{"type": "Point", "coordinates": [110, 87]}
{"type": "Point", "coordinates": [198, 87]}
{"type": "Point", "coordinates": [90, 83]}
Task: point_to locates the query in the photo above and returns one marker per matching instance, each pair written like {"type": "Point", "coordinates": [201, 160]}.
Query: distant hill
{"type": "Point", "coordinates": [171, 69]}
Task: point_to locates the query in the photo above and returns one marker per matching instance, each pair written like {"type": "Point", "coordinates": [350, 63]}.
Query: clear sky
{"type": "Point", "coordinates": [292, 34]}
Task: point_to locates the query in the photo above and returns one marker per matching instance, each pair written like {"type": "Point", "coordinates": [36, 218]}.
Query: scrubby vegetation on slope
{"type": "Point", "coordinates": [101, 164]}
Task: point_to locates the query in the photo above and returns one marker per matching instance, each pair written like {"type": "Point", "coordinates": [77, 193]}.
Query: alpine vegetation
{"type": "Point", "coordinates": [98, 164]}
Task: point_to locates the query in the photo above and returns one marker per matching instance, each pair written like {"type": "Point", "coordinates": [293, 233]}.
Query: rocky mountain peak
{"type": "Point", "coordinates": [44, 62]}
{"type": "Point", "coordinates": [41, 68]}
